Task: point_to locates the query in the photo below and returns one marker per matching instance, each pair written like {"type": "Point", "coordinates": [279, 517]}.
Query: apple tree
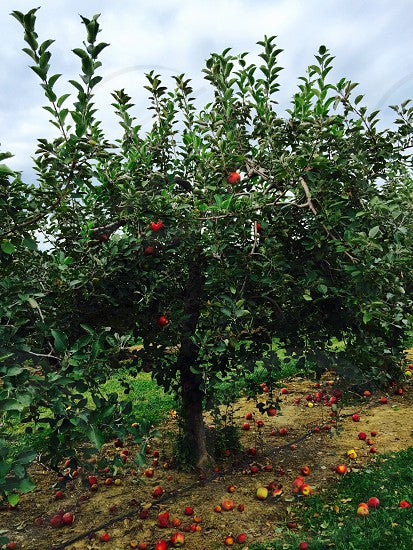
{"type": "Point", "coordinates": [206, 237]}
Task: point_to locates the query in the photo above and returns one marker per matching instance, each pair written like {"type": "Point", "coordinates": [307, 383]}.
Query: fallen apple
{"type": "Point", "coordinates": [227, 505]}
{"type": "Point", "coordinates": [177, 539]}
{"type": "Point", "coordinates": [68, 518]}
{"type": "Point", "coordinates": [163, 519]}
{"type": "Point", "coordinates": [373, 502]}
{"type": "Point", "coordinates": [262, 493]}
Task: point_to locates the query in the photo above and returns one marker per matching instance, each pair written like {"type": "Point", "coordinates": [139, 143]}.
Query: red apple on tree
{"type": "Point", "coordinates": [162, 321]}
{"type": "Point", "coordinates": [233, 177]}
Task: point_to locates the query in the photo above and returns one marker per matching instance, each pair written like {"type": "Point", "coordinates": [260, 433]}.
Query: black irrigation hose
{"type": "Point", "coordinates": [183, 490]}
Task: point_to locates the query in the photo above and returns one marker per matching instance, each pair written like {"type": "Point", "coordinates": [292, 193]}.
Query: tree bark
{"type": "Point", "coordinates": [191, 392]}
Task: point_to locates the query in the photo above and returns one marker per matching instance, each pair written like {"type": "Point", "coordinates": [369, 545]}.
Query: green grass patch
{"type": "Point", "coordinates": [149, 401]}
{"type": "Point", "coordinates": [330, 519]}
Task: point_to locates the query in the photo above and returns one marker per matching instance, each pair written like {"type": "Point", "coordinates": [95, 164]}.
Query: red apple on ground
{"type": "Point", "coordinates": [252, 451]}
{"type": "Point", "coordinates": [373, 434]}
{"type": "Point", "coordinates": [178, 539]}
{"type": "Point", "coordinates": [149, 250]}
{"type": "Point", "coordinates": [149, 472]}
{"type": "Point", "coordinates": [229, 541]}
{"type": "Point", "coordinates": [189, 511]}
{"type": "Point", "coordinates": [341, 469]}
{"type": "Point", "coordinates": [241, 508]}
{"type": "Point", "coordinates": [241, 538]}
{"type": "Point", "coordinates": [59, 495]}
{"type": "Point", "coordinates": [254, 469]}
{"type": "Point", "coordinates": [355, 418]}
{"type": "Point", "coordinates": [105, 537]}
{"type": "Point", "coordinates": [163, 519]}
{"type": "Point", "coordinates": [383, 400]}
{"type": "Point", "coordinates": [231, 488]}
{"type": "Point", "coordinates": [362, 436]}
{"type": "Point", "coordinates": [404, 504]}
{"type": "Point", "coordinates": [373, 502]}
{"type": "Point", "coordinates": [248, 416]}
{"type": "Point", "coordinates": [303, 546]}
{"type": "Point", "coordinates": [176, 522]}
{"type": "Point", "coordinates": [142, 546]}
{"type": "Point", "coordinates": [68, 518]}
{"type": "Point", "coordinates": [373, 450]}
{"type": "Point", "coordinates": [283, 391]}
{"type": "Point", "coordinates": [56, 520]}
{"type": "Point", "coordinates": [305, 470]}
{"type": "Point", "coordinates": [362, 509]}
{"type": "Point", "coordinates": [161, 545]}
{"type": "Point", "coordinates": [260, 423]}
{"type": "Point", "coordinates": [157, 492]}
{"type": "Point", "coordinates": [283, 431]}
{"type": "Point", "coordinates": [305, 489]}
{"type": "Point", "coordinates": [246, 426]}
{"type": "Point", "coordinates": [272, 411]}
{"type": "Point", "coordinates": [227, 505]}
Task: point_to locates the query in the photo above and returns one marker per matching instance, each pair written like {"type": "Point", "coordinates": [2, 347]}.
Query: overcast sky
{"type": "Point", "coordinates": [371, 39]}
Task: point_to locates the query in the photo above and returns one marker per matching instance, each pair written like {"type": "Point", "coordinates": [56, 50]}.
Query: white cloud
{"type": "Point", "coordinates": [370, 39]}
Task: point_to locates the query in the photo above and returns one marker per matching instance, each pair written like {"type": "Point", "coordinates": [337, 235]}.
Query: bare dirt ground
{"type": "Point", "coordinates": [276, 459]}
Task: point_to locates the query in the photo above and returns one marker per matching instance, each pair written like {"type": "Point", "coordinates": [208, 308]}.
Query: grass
{"type": "Point", "coordinates": [148, 399]}
{"type": "Point", "coordinates": [330, 520]}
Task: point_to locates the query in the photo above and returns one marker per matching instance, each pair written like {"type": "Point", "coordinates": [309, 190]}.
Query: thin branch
{"type": "Point", "coordinates": [48, 355]}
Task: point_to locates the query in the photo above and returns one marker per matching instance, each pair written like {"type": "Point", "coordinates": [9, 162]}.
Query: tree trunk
{"type": "Point", "coordinates": [191, 392]}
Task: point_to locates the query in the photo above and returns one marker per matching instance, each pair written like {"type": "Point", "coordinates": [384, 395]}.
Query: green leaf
{"type": "Point", "coordinates": [10, 405]}
{"type": "Point", "coordinates": [367, 317]}
{"type": "Point", "coordinates": [60, 340]}
{"type": "Point", "coordinates": [29, 243]}
{"type": "Point", "coordinates": [13, 499]}
{"type": "Point", "coordinates": [96, 437]}
{"type": "Point", "coordinates": [6, 170]}
{"type": "Point", "coordinates": [80, 53]}
{"type": "Point", "coordinates": [374, 231]}
{"type": "Point", "coordinates": [26, 485]}
{"type": "Point", "coordinates": [7, 247]}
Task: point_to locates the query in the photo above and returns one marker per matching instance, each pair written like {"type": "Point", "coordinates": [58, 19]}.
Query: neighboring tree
{"type": "Point", "coordinates": [205, 238]}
